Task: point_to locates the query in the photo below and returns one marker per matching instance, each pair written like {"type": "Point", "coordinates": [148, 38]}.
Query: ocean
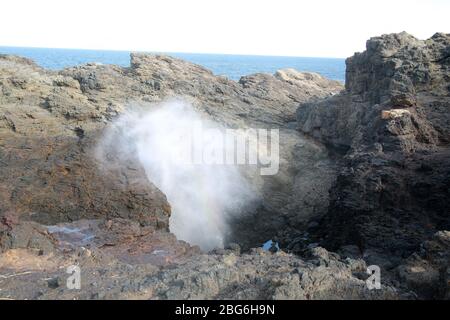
{"type": "Point", "coordinates": [231, 66]}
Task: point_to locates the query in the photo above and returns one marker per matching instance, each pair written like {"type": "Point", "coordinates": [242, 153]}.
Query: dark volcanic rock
{"type": "Point", "coordinates": [392, 126]}
{"type": "Point", "coordinates": [427, 271]}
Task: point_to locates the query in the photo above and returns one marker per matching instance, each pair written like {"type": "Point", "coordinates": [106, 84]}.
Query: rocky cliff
{"type": "Point", "coordinates": [48, 172]}
{"type": "Point", "coordinates": [61, 206]}
{"type": "Point", "coordinates": [52, 121]}
{"type": "Point", "coordinates": [364, 171]}
{"type": "Point", "coordinates": [391, 124]}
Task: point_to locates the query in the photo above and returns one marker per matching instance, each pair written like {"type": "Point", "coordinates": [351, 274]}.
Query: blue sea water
{"type": "Point", "coordinates": [231, 66]}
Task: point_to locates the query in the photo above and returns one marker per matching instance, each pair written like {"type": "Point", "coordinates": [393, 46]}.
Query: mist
{"type": "Point", "coordinates": [204, 194]}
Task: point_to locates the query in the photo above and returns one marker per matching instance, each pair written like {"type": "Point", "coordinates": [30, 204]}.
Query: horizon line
{"type": "Point", "coordinates": [175, 52]}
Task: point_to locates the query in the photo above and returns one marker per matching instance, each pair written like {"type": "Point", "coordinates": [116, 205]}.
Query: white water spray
{"type": "Point", "coordinates": [202, 196]}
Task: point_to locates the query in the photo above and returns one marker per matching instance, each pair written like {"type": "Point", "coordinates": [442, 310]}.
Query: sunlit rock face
{"type": "Point", "coordinates": [49, 129]}
{"type": "Point", "coordinates": [364, 172]}
{"type": "Point", "coordinates": [51, 124]}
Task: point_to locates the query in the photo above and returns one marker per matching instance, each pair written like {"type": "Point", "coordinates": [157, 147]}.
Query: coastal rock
{"type": "Point", "coordinates": [51, 123]}
{"type": "Point", "coordinates": [427, 271]}
{"type": "Point", "coordinates": [49, 173]}
{"type": "Point", "coordinates": [364, 172]}
{"type": "Point", "coordinates": [118, 259]}
{"type": "Point", "coordinates": [289, 86]}
{"type": "Point", "coordinates": [391, 126]}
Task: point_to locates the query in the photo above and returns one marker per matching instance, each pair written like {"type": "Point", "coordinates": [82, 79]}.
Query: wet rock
{"type": "Point", "coordinates": [53, 283]}
{"type": "Point", "coordinates": [26, 235]}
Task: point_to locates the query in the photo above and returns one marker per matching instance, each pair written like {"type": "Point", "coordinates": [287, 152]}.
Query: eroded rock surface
{"type": "Point", "coordinates": [392, 126]}
{"type": "Point", "coordinates": [51, 122]}
{"type": "Point", "coordinates": [49, 174]}
{"type": "Point", "coordinates": [53, 184]}
{"type": "Point", "coordinates": [366, 175]}
{"type": "Point", "coordinates": [119, 259]}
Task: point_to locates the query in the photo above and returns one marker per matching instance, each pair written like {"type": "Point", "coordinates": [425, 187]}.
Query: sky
{"type": "Point", "coordinates": [314, 28]}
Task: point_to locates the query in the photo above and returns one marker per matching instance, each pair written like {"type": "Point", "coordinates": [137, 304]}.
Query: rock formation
{"type": "Point", "coordinates": [48, 172]}
{"type": "Point", "coordinates": [391, 124]}
{"type": "Point", "coordinates": [56, 119]}
{"type": "Point", "coordinates": [364, 172]}
{"type": "Point", "coordinates": [127, 261]}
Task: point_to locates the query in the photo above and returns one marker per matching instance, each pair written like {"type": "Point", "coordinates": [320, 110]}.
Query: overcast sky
{"type": "Point", "coordinates": [323, 28]}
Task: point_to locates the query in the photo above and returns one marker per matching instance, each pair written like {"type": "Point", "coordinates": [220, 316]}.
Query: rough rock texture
{"type": "Point", "coordinates": [50, 123]}
{"type": "Point", "coordinates": [392, 125]}
{"type": "Point", "coordinates": [126, 261]}
{"type": "Point", "coordinates": [48, 172]}
{"type": "Point", "coordinates": [367, 175]}
{"type": "Point", "coordinates": [427, 271]}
